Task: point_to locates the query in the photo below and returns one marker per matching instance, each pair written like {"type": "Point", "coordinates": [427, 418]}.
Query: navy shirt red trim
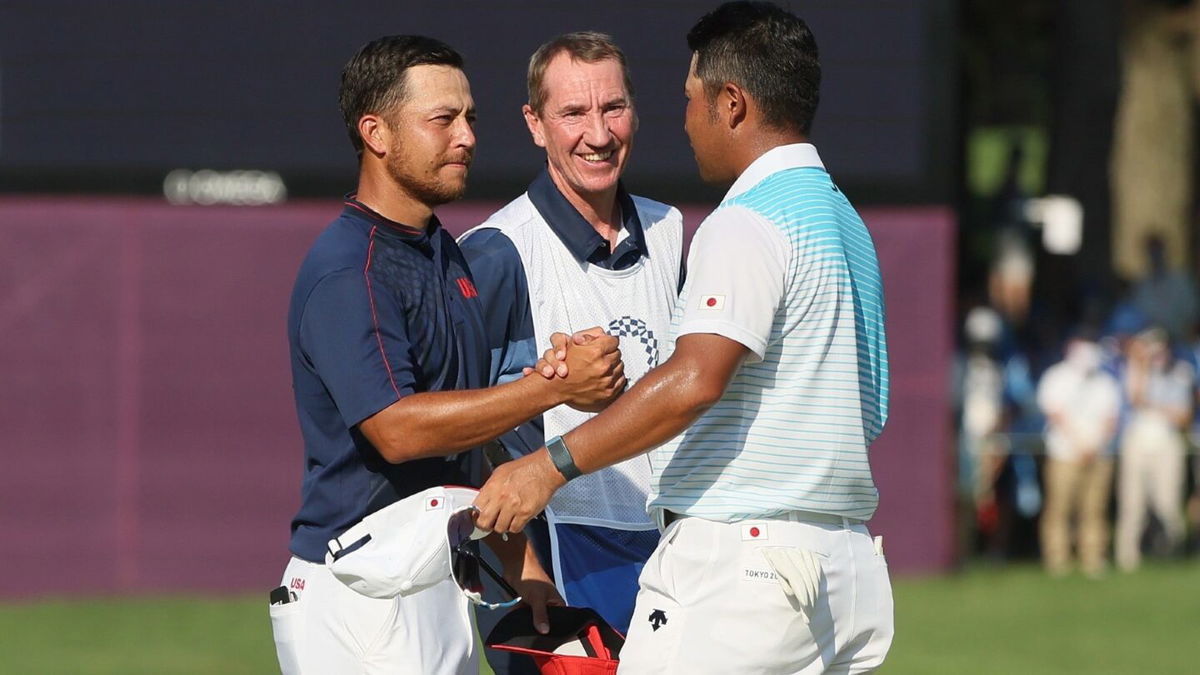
{"type": "Point", "coordinates": [380, 310]}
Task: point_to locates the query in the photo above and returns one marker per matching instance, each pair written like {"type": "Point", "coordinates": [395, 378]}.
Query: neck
{"type": "Point", "coordinates": [377, 190]}
{"type": "Point", "coordinates": [748, 147]}
{"type": "Point", "coordinates": [599, 209]}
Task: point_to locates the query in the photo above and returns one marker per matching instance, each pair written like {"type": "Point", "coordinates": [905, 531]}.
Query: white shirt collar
{"type": "Point", "coordinates": [776, 159]}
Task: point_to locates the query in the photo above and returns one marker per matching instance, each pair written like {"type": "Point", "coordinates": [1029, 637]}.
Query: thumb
{"type": "Point", "coordinates": [587, 335]}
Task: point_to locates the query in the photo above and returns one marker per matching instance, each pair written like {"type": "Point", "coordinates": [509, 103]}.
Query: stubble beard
{"type": "Point", "coordinates": [428, 190]}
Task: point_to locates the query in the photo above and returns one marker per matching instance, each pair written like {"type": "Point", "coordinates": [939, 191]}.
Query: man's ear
{"type": "Point", "coordinates": [375, 134]}
{"type": "Point", "coordinates": [534, 123]}
{"type": "Point", "coordinates": [733, 104]}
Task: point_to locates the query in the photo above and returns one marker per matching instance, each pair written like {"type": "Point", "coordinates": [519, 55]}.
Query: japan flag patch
{"type": "Point", "coordinates": [712, 302]}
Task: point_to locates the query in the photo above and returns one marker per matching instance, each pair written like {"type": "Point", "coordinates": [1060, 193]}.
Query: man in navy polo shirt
{"type": "Point", "coordinates": [389, 361]}
{"type": "Point", "coordinates": [578, 250]}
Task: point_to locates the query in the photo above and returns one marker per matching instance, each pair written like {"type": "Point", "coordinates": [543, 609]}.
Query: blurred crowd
{"type": "Point", "coordinates": [1077, 449]}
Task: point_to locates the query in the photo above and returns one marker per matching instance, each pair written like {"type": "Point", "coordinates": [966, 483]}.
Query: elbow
{"type": "Point", "coordinates": [702, 396]}
{"type": "Point", "coordinates": [694, 387]}
{"type": "Point", "coordinates": [395, 452]}
{"type": "Point", "coordinates": [395, 441]}
{"type": "Point", "coordinates": [400, 447]}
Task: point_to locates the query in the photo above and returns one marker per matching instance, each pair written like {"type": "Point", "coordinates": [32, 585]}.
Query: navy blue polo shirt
{"type": "Point", "coordinates": [504, 289]}
{"type": "Point", "coordinates": [379, 311]}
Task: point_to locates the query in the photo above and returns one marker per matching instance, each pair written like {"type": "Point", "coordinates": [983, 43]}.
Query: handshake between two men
{"type": "Point", "coordinates": [589, 366]}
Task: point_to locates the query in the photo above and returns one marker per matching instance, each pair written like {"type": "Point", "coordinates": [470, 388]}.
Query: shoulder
{"type": "Point", "coordinates": [512, 217]}
{"type": "Point", "coordinates": [732, 219]}
{"type": "Point", "coordinates": [341, 242]}
{"type": "Point", "coordinates": [487, 245]}
{"type": "Point", "coordinates": [654, 212]}
{"type": "Point", "coordinates": [1053, 377]}
{"type": "Point", "coordinates": [798, 192]}
{"type": "Point", "coordinates": [340, 248]}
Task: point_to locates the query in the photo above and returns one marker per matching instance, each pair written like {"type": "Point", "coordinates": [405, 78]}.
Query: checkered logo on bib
{"type": "Point", "coordinates": [630, 327]}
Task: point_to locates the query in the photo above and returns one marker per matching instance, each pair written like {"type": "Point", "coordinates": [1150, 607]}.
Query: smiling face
{"type": "Point", "coordinates": [432, 141]}
{"type": "Point", "coordinates": [586, 125]}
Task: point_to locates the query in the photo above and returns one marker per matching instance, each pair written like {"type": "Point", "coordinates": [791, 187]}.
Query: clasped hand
{"type": "Point", "coordinates": [588, 366]}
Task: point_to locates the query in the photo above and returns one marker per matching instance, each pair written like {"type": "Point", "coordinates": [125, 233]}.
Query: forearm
{"type": "Point", "coordinates": [664, 403]}
{"type": "Point", "coordinates": [660, 406]}
{"type": "Point", "coordinates": [435, 424]}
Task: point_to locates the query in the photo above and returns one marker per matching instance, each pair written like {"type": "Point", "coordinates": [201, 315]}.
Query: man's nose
{"type": "Point", "coordinates": [464, 134]}
{"type": "Point", "coordinates": [598, 133]}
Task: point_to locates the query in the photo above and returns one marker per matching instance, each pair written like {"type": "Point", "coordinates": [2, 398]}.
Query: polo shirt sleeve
{"type": "Point", "coordinates": [357, 344]}
{"type": "Point", "coordinates": [504, 294]}
{"type": "Point", "coordinates": [737, 271]}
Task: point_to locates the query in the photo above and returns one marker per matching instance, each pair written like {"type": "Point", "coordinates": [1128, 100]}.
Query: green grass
{"type": "Point", "coordinates": [1018, 620]}
{"type": "Point", "coordinates": [1011, 620]}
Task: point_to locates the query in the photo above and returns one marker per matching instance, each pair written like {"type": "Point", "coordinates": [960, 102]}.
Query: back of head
{"type": "Point", "coordinates": [767, 51]}
{"type": "Point", "coordinates": [373, 82]}
{"type": "Point", "coordinates": [585, 46]}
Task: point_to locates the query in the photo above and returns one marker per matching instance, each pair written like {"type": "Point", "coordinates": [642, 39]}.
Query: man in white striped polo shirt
{"type": "Point", "coordinates": [767, 406]}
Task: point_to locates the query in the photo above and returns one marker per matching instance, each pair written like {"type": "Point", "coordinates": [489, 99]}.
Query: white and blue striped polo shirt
{"type": "Point", "coordinates": [786, 267]}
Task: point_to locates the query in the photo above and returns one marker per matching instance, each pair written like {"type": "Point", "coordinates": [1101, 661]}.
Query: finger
{"type": "Point", "coordinates": [614, 361]}
{"type": "Point", "coordinates": [485, 519]}
{"type": "Point", "coordinates": [543, 368]}
{"type": "Point", "coordinates": [541, 620]}
{"type": "Point", "coordinates": [620, 384]}
{"type": "Point", "coordinates": [526, 370]}
{"type": "Point", "coordinates": [502, 521]}
{"type": "Point", "coordinates": [518, 522]}
{"type": "Point", "coordinates": [587, 335]}
{"type": "Point", "coordinates": [545, 365]}
{"type": "Point", "coordinates": [607, 343]}
{"type": "Point", "coordinates": [619, 369]}
{"type": "Point", "coordinates": [559, 342]}
{"type": "Point", "coordinates": [555, 365]}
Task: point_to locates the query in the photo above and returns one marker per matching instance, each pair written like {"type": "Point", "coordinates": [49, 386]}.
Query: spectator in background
{"type": "Point", "coordinates": [1152, 473]}
{"type": "Point", "coordinates": [1165, 296]}
{"type": "Point", "coordinates": [982, 445]}
{"type": "Point", "coordinates": [1081, 403]}
{"type": "Point", "coordinates": [1123, 325]}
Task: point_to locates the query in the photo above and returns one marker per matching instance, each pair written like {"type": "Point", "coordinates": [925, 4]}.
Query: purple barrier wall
{"type": "Point", "coordinates": [147, 435]}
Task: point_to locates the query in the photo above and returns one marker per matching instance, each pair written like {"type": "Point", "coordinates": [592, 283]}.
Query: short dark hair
{"type": "Point", "coordinates": [586, 46]}
{"type": "Point", "coordinates": [373, 82]}
{"type": "Point", "coordinates": [766, 50]}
